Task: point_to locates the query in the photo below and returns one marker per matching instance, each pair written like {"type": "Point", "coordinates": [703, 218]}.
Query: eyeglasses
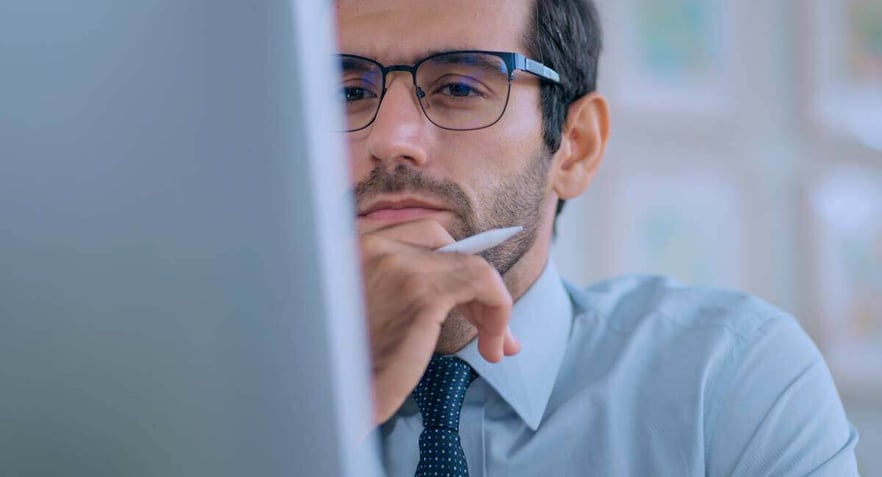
{"type": "Point", "coordinates": [457, 90]}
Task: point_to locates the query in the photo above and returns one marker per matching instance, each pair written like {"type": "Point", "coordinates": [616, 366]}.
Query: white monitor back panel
{"type": "Point", "coordinates": [178, 286]}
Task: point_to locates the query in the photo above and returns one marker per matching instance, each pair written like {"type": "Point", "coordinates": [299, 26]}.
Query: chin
{"type": "Point", "coordinates": [456, 333]}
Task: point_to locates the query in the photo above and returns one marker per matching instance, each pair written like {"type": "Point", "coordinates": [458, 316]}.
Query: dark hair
{"type": "Point", "coordinates": [566, 36]}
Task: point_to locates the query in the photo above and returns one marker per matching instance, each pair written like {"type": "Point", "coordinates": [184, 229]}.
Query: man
{"type": "Point", "coordinates": [464, 116]}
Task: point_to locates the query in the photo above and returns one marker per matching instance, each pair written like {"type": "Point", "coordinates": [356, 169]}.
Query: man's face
{"type": "Point", "coordinates": [407, 168]}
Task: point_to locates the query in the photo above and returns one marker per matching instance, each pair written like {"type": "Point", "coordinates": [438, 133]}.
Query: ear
{"type": "Point", "coordinates": [583, 142]}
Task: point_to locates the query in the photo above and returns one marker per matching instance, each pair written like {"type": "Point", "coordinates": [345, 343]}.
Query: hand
{"type": "Point", "coordinates": [410, 290]}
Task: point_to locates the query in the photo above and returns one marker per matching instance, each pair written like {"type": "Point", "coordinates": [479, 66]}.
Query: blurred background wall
{"type": "Point", "coordinates": [746, 152]}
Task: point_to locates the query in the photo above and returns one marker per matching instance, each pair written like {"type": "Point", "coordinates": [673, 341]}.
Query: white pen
{"type": "Point", "coordinates": [480, 242]}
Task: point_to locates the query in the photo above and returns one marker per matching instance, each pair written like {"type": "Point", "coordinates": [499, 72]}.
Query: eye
{"type": "Point", "coordinates": [458, 90]}
{"type": "Point", "coordinates": [459, 87]}
{"type": "Point", "coordinates": [356, 93]}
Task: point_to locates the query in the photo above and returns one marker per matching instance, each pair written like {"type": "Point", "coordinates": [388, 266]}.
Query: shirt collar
{"type": "Point", "coordinates": [541, 319]}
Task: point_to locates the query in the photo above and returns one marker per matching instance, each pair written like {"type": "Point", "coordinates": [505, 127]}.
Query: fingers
{"type": "Point", "coordinates": [437, 283]}
{"type": "Point", "coordinates": [410, 290]}
{"type": "Point", "coordinates": [422, 233]}
{"type": "Point", "coordinates": [487, 304]}
{"type": "Point", "coordinates": [512, 345]}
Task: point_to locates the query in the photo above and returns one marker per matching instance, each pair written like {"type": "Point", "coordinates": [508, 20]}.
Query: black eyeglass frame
{"type": "Point", "coordinates": [513, 62]}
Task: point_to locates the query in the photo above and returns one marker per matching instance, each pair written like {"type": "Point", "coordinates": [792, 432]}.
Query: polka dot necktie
{"type": "Point", "coordinates": [439, 396]}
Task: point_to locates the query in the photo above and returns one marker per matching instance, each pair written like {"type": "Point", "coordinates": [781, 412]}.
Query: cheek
{"type": "Point", "coordinates": [485, 168]}
{"type": "Point", "coordinates": [473, 161]}
{"type": "Point", "coordinates": [359, 168]}
{"type": "Point", "coordinates": [495, 164]}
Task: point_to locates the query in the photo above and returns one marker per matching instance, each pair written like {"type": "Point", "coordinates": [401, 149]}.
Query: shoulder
{"type": "Point", "coordinates": [735, 368]}
{"type": "Point", "coordinates": [629, 303]}
{"type": "Point", "coordinates": [667, 329]}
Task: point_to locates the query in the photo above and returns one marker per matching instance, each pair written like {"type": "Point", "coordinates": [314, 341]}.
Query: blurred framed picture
{"type": "Point", "coordinates": [846, 220]}
{"type": "Point", "coordinates": [672, 55]}
{"type": "Point", "coordinates": [688, 226]}
{"type": "Point", "coordinates": [844, 58]}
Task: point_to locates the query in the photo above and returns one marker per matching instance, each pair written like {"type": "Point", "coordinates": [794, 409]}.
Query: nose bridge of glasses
{"type": "Point", "coordinates": [405, 68]}
{"type": "Point", "coordinates": [415, 99]}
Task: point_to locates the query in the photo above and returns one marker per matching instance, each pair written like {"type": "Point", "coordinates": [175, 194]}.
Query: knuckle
{"type": "Point", "coordinates": [371, 243]}
{"type": "Point", "coordinates": [388, 261]}
{"type": "Point", "coordinates": [401, 261]}
{"type": "Point", "coordinates": [375, 261]}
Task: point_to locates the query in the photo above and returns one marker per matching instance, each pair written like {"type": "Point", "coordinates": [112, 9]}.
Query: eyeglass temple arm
{"type": "Point", "coordinates": [538, 69]}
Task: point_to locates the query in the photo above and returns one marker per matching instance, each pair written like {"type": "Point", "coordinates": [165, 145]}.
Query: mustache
{"type": "Point", "coordinates": [408, 179]}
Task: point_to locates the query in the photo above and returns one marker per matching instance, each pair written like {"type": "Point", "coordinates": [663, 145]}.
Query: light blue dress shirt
{"type": "Point", "coordinates": [642, 376]}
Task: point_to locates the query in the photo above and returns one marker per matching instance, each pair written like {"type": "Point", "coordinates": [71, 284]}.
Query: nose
{"type": "Point", "coordinates": [399, 133]}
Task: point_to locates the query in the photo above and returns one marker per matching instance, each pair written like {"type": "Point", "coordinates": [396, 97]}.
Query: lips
{"type": "Point", "coordinates": [399, 209]}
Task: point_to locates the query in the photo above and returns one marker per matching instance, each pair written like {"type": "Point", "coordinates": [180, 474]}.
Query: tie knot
{"type": "Point", "coordinates": [441, 391]}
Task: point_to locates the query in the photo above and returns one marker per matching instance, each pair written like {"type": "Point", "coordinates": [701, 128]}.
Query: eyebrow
{"type": "Point", "coordinates": [434, 52]}
{"type": "Point", "coordinates": [349, 64]}
{"type": "Point", "coordinates": [411, 59]}
{"type": "Point", "coordinates": [472, 59]}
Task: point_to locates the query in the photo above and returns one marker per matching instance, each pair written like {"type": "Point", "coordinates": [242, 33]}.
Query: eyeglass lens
{"type": "Point", "coordinates": [459, 91]}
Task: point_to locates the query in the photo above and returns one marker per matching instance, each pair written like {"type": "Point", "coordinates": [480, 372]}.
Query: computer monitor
{"type": "Point", "coordinates": [178, 285]}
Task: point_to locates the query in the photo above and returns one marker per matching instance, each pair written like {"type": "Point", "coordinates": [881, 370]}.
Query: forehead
{"type": "Point", "coordinates": [402, 31]}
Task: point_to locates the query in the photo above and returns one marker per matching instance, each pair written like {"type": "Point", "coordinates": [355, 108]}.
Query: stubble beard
{"type": "Point", "coordinates": [516, 200]}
